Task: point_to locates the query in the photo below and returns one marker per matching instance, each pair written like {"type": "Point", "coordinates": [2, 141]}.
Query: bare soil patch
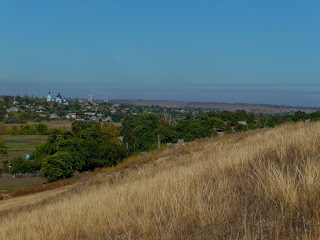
{"type": "Point", "coordinates": [20, 182]}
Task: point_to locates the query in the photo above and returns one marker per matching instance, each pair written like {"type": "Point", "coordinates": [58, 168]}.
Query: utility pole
{"type": "Point", "coordinates": [159, 142]}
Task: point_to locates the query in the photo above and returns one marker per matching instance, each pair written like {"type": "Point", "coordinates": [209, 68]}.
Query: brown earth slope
{"type": "Point", "coordinates": [257, 185]}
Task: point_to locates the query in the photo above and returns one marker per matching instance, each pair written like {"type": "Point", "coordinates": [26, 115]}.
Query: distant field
{"type": "Point", "coordinates": [51, 124]}
{"type": "Point", "coordinates": [20, 146]}
{"type": "Point", "coordinates": [56, 124]}
{"type": "Point", "coordinates": [11, 183]}
{"type": "Point", "coordinates": [255, 108]}
{"type": "Point", "coordinates": [59, 124]}
{"type": "Point", "coordinates": [66, 124]}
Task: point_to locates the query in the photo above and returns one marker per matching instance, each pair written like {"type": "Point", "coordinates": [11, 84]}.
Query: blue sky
{"type": "Point", "coordinates": [219, 51]}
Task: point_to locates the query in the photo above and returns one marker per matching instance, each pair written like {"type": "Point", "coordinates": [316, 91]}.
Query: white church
{"type": "Point", "coordinates": [58, 99]}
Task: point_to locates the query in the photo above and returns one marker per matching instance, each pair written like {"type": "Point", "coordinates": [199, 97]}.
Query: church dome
{"type": "Point", "coordinates": [49, 97]}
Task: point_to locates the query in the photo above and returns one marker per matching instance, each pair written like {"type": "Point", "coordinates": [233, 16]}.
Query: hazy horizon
{"type": "Point", "coordinates": [208, 51]}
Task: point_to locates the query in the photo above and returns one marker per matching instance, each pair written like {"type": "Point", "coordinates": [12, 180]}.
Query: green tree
{"type": "Point", "coordinates": [3, 149]}
{"type": "Point", "coordinates": [217, 123]}
{"type": "Point", "coordinates": [241, 128]}
{"type": "Point", "coordinates": [241, 115]}
{"type": "Point", "coordinates": [128, 125]}
{"type": "Point", "coordinates": [57, 166]}
{"type": "Point", "coordinates": [300, 116]}
{"type": "Point", "coordinates": [315, 116]}
{"type": "Point", "coordinates": [111, 154]}
{"type": "Point", "coordinates": [86, 147]}
{"type": "Point", "coordinates": [167, 134]}
{"type": "Point", "coordinates": [144, 138]}
{"type": "Point", "coordinates": [3, 112]}
{"type": "Point", "coordinates": [150, 120]}
{"type": "Point", "coordinates": [42, 129]}
{"type": "Point", "coordinates": [21, 166]}
{"type": "Point", "coordinates": [111, 132]}
{"type": "Point", "coordinates": [228, 117]}
{"type": "Point", "coordinates": [2, 129]}
{"type": "Point", "coordinates": [79, 153]}
{"type": "Point", "coordinates": [271, 122]}
{"type": "Point", "coordinates": [145, 134]}
{"type": "Point", "coordinates": [183, 127]}
{"type": "Point", "coordinates": [199, 128]}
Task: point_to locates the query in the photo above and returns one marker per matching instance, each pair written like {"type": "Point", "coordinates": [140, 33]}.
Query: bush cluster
{"type": "Point", "coordinates": [86, 147]}
{"type": "Point", "coordinates": [90, 145]}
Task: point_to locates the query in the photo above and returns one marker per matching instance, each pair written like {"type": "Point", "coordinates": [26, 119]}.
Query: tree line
{"type": "Point", "coordinates": [25, 129]}
{"type": "Point", "coordinates": [142, 133]}
{"type": "Point", "coordinates": [90, 145]}
{"type": "Point", "coordinates": [87, 146]}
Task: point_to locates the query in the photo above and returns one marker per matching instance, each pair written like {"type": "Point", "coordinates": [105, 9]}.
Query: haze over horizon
{"type": "Point", "coordinates": [252, 52]}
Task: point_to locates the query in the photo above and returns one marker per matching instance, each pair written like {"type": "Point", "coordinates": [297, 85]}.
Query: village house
{"type": "Point", "coordinates": [42, 115]}
{"type": "Point", "coordinates": [244, 123]}
{"type": "Point", "coordinates": [107, 119]}
{"type": "Point", "coordinates": [29, 108]}
{"type": "Point", "coordinates": [54, 116]}
{"type": "Point", "coordinates": [90, 113]}
{"type": "Point", "coordinates": [82, 118]}
{"type": "Point", "coordinates": [70, 116]}
{"type": "Point", "coordinates": [40, 108]}
{"type": "Point", "coordinates": [94, 118]}
{"type": "Point", "coordinates": [14, 109]}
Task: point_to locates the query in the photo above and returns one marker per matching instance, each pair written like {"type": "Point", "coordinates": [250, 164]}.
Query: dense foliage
{"type": "Point", "coordinates": [88, 146]}
{"type": "Point", "coordinates": [56, 166]}
{"type": "Point", "coordinates": [3, 149]}
{"type": "Point", "coordinates": [19, 165]}
{"type": "Point", "coordinates": [91, 144]}
{"type": "Point", "coordinates": [141, 133]}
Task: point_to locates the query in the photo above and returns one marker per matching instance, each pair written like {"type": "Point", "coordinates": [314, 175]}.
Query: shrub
{"type": "Point", "coordinates": [57, 166]}
{"type": "Point", "coordinates": [20, 165]}
{"type": "Point", "coordinates": [3, 149]}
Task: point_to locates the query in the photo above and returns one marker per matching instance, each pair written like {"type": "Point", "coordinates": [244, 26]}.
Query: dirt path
{"type": "Point", "coordinates": [28, 200]}
{"type": "Point", "coordinates": [17, 203]}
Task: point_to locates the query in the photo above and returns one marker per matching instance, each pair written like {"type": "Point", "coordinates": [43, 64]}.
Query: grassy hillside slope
{"type": "Point", "coordinates": [256, 185]}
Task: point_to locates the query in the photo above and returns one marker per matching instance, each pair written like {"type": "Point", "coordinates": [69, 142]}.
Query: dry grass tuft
{"type": "Point", "coordinates": [256, 185]}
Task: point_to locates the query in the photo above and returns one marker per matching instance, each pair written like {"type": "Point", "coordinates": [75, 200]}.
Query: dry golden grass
{"type": "Point", "coordinates": [15, 205]}
{"type": "Point", "coordinates": [256, 185]}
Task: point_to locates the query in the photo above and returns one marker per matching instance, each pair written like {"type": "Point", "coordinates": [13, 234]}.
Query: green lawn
{"type": "Point", "coordinates": [21, 145]}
